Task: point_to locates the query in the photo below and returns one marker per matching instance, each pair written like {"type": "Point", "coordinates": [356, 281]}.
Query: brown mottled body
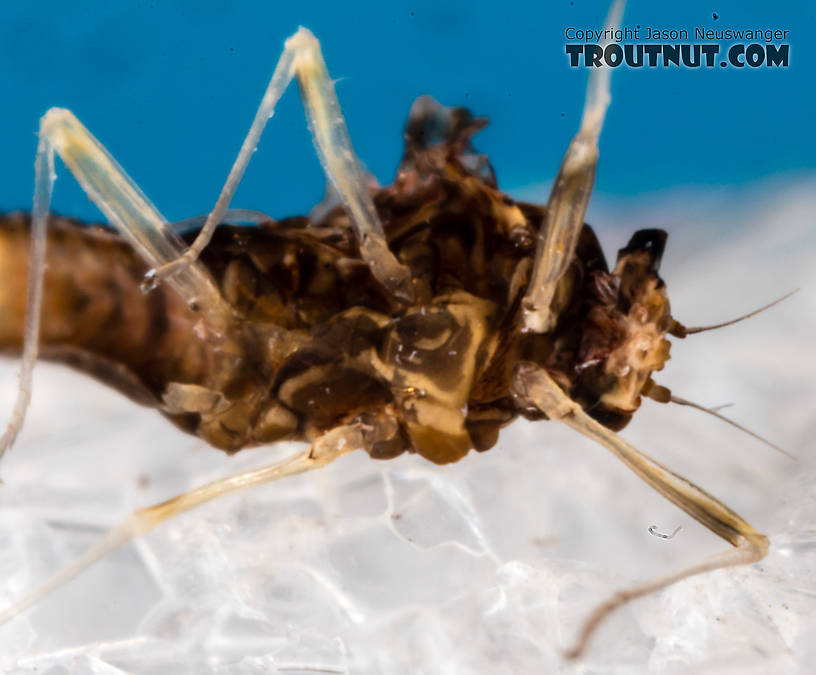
{"type": "Point", "coordinates": [420, 317]}
{"type": "Point", "coordinates": [94, 315]}
{"type": "Point", "coordinates": [316, 342]}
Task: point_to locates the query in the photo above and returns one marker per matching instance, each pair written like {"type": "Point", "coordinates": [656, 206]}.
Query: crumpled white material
{"type": "Point", "coordinates": [487, 566]}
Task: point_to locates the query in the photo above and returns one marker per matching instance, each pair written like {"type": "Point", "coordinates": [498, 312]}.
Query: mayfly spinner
{"type": "Point", "coordinates": [420, 317]}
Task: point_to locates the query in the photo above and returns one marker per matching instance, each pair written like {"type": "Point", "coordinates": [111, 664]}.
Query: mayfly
{"type": "Point", "coordinates": [420, 317]}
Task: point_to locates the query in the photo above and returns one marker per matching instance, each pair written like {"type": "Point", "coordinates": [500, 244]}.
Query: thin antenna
{"type": "Point", "coordinates": [700, 329]}
{"type": "Point", "coordinates": [711, 411]}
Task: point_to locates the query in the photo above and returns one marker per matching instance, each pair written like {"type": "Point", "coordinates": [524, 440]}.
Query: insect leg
{"type": "Point", "coordinates": [303, 59]}
{"type": "Point", "coordinates": [128, 209]}
{"type": "Point", "coordinates": [536, 386]}
{"type": "Point", "coordinates": [43, 184]}
{"type": "Point", "coordinates": [330, 446]}
{"type": "Point", "coordinates": [333, 146]}
{"type": "Point", "coordinates": [569, 197]}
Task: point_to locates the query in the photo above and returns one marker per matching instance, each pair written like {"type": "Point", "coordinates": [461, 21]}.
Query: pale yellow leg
{"type": "Point", "coordinates": [536, 386]}
{"type": "Point", "coordinates": [327, 448]}
{"type": "Point", "coordinates": [43, 184]}
{"type": "Point", "coordinates": [569, 197]}
{"type": "Point", "coordinates": [303, 60]}
{"type": "Point", "coordinates": [127, 209]}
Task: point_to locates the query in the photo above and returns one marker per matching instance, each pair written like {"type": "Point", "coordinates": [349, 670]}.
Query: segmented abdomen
{"type": "Point", "coordinates": [94, 315]}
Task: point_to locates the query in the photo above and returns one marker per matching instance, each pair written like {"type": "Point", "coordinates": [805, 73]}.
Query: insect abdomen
{"type": "Point", "coordinates": [94, 315]}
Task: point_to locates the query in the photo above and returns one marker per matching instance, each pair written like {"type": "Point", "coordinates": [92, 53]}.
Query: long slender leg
{"type": "Point", "coordinates": [569, 197]}
{"type": "Point", "coordinates": [330, 446]}
{"type": "Point", "coordinates": [127, 209]}
{"type": "Point", "coordinates": [43, 184]}
{"type": "Point", "coordinates": [303, 59]}
{"type": "Point", "coordinates": [341, 165]}
{"type": "Point", "coordinates": [536, 386]}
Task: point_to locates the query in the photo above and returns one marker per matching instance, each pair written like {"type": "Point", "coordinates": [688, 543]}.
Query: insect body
{"type": "Point", "coordinates": [423, 317]}
{"type": "Point", "coordinates": [316, 343]}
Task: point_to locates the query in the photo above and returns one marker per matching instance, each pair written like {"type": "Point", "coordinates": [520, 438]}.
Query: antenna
{"type": "Point", "coordinates": [679, 330]}
{"type": "Point", "coordinates": [712, 411]}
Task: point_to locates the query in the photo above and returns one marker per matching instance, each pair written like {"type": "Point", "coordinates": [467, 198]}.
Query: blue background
{"type": "Point", "coordinates": [171, 88]}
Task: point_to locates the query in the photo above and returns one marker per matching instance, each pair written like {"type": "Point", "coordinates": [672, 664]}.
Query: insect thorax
{"type": "Point", "coordinates": [316, 342]}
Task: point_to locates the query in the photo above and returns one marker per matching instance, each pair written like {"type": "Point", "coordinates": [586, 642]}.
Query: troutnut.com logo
{"type": "Point", "coordinates": [672, 47]}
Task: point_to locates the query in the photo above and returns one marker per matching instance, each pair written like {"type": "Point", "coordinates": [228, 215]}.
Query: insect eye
{"type": "Point", "coordinates": [652, 242]}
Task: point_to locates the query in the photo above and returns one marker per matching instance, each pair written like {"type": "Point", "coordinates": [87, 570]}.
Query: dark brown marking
{"type": "Point", "coordinates": [315, 342]}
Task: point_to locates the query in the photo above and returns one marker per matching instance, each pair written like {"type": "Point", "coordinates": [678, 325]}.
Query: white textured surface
{"type": "Point", "coordinates": [485, 566]}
